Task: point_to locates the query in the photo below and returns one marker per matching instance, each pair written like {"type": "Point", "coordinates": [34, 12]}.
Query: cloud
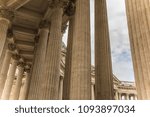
{"type": "Point", "coordinates": [120, 47]}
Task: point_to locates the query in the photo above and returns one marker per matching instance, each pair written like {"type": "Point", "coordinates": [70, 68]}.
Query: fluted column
{"type": "Point", "coordinates": [80, 84]}
{"type": "Point", "coordinates": [3, 54]}
{"type": "Point", "coordinates": [67, 74]}
{"type": "Point", "coordinates": [10, 78]}
{"type": "Point", "coordinates": [5, 66]}
{"type": "Point", "coordinates": [38, 68]}
{"type": "Point", "coordinates": [5, 17]}
{"type": "Point", "coordinates": [92, 91]}
{"type": "Point", "coordinates": [139, 33]}
{"type": "Point", "coordinates": [18, 84]}
{"type": "Point", "coordinates": [23, 92]}
{"type": "Point", "coordinates": [51, 72]}
{"type": "Point", "coordinates": [103, 67]}
{"type": "Point", "coordinates": [116, 95]}
{"type": "Point", "coordinates": [60, 87]}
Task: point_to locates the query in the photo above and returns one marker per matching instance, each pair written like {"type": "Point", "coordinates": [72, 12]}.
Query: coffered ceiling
{"type": "Point", "coordinates": [28, 15]}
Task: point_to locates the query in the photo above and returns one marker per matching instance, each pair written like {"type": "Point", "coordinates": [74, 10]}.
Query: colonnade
{"type": "Point", "coordinates": [44, 82]}
{"type": "Point", "coordinates": [125, 96]}
{"type": "Point", "coordinates": [77, 79]}
{"type": "Point", "coordinates": [14, 69]}
{"type": "Point", "coordinates": [10, 60]}
{"type": "Point", "coordinates": [45, 76]}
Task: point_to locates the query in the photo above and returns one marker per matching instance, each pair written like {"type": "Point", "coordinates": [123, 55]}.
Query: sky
{"type": "Point", "coordinates": [119, 39]}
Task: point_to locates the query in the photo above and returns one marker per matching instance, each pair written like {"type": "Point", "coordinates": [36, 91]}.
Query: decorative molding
{"type": "Point", "coordinates": [9, 33]}
{"type": "Point", "coordinates": [44, 24]}
{"type": "Point", "coordinates": [21, 64]}
{"type": "Point", "coordinates": [28, 68]}
{"type": "Point", "coordinates": [68, 5]}
{"type": "Point", "coordinates": [36, 39]}
{"type": "Point", "coordinates": [12, 46]}
{"type": "Point", "coordinates": [69, 9]}
{"type": "Point", "coordinates": [16, 57]}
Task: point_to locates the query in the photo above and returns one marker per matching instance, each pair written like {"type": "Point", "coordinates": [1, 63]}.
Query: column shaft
{"type": "Point", "coordinates": [23, 92]}
{"type": "Point", "coordinates": [50, 81]}
{"type": "Point", "coordinates": [116, 95]}
{"type": "Point", "coordinates": [103, 68]}
{"type": "Point", "coordinates": [67, 75]}
{"type": "Point", "coordinates": [4, 23]}
{"type": "Point", "coordinates": [60, 88]}
{"type": "Point", "coordinates": [38, 68]}
{"type": "Point", "coordinates": [120, 96]}
{"type": "Point", "coordinates": [18, 82]}
{"type": "Point", "coordinates": [92, 92]}
{"type": "Point", "coordinates": [139, 32]}
{"type": "Point", "coordinates": [4, 70]}
{"type": "Point", "coordinates": [80, 84]}
{"type": "Point", "coordinates": [9, 81]}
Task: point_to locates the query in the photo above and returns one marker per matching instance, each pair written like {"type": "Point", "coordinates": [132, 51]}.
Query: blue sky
{"type": "Point", "coordinates": [119, 38]}
{"type": "Point", "coordinates": [120, 47]}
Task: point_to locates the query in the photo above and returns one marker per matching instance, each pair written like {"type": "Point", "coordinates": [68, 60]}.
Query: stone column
{"type": "Point", "coordinates": [5, 17]}
{"type": "Point", "coordinates": [67, 74]}
{"type": "Point", "coordinates": [38, 67]}
{"type": "Point", "coordinates": [3, 54]}
{"type": "Point", "coordinates": [116, 95]}
{"type": "Point", "coordinates": [103, 67]}
{"type": "Point", "coordinates": [10, 78]}
{"type": "Point", "coordinates": [139, 33]}
{"type": "Point", "coordinates": [135, 97]}
{"type": "Point", "coordinates": [18, 81]}
{"type": "Point", "coordinates": [120, 96]}
{"type": "Point", "coordinates": [60, 87]}
{"type": "Point", "coordinates": [80, 84]}
{"type": "Point", "coordinates": [23, 92]}
{"type": "Point", "coordinates": [127, 97]}
{"type": "Point", "coordinates": [92, 91]}
{"type": "Point", "coordinates": [50, 81]}
{"type": "Point", "coordinates": [5, 66]}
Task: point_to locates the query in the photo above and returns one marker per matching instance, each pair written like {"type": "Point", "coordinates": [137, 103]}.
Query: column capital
{"type": "Point", "coordinates": [21, 64]}
{"type": "Point", "coordinates": [44, 24]}
{"type": "Point", "coordinates": [11, 47]}
{"type": "Point", "coordinates": [61, 77]}
{"type": "Point", "coordinates": [116, 91]}
{"type": "Point", "coordinates": [92, 81]}
{"type": "Point", "coordinates": [69, 9]}
{"type": "Point", "coordinates": [10, 33]}
{"type": "Point", "coordinates": [28, 68]}
{"type": "Point", "coordinates": [7, 14]}
{"type": "Point", "coordinates": [16, 57]}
